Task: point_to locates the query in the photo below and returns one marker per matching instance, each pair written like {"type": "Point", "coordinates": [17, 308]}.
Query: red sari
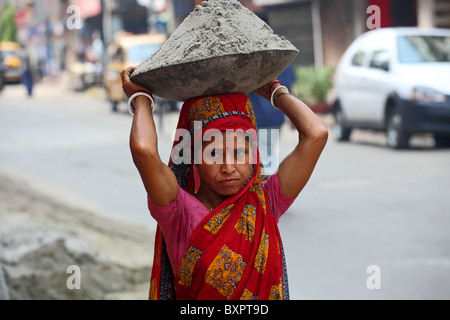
{"type": "Point", "coordinates": [236, 251]}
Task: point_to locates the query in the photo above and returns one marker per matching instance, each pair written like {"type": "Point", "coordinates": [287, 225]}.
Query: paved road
{"type": "Point", "coordinates": [366, 208]}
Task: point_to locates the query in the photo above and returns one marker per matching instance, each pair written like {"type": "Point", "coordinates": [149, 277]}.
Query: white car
{"type": "Point", "coordinates": [396, 80]}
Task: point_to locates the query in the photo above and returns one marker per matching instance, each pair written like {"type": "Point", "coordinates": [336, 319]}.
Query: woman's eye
{"type": "Point", "coordinates": [240, 151]}
{"type": "Point", "coordinates": [215, 152]}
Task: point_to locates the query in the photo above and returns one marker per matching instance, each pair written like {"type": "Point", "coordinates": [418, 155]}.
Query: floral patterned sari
{"type": "Point", "coordinates": [236, 251]}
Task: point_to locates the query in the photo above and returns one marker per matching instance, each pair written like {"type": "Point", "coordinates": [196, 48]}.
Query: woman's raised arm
{"type": "Point", "coordinates": [159, 181]}
{"type": "Point", "coordinates": [296, 169]}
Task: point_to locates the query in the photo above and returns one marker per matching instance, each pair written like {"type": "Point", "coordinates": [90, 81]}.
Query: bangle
{"type": "Point", "coordinates": [132, 107]}
{"type": "Point", "coordinates": [278, 95]}
{"type": "Point", "coordinates": [273, 93]}
{"type": "Point", "coordinates": [133, 104]}
{"type": "Point", "coordinates": [271, 87]}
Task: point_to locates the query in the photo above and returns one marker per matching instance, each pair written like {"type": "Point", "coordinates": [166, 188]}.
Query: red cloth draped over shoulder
{"type": "Point", "coordinates": [236, 251]}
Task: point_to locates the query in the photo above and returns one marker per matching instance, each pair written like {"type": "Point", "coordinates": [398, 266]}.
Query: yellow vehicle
{"type": "Point", "coordinates": [126, 51]}
{"type": "Point", "coordinates": [11, 61]}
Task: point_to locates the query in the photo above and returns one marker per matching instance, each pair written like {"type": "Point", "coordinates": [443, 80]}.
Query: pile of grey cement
{"type": "Point", "coordinates": [216, 28]}
{"type": "Point", "coordinates": [221, 47]}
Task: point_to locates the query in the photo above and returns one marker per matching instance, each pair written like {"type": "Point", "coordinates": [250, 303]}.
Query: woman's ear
{"type": "Point", "coordinates": [196, 178]}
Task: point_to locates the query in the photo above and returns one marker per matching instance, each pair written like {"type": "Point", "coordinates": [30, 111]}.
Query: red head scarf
{"type": "Point", "coordinates": [236, 251]}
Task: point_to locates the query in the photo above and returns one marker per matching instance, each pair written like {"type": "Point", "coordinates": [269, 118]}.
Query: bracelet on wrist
{"type": "Point", "coordinates": [279, 95]}
{"type": "Point", "coordinates": [273, 94]}
{"type": "Point", "coordinates": [132, 103]}
{"type": "Point", "coordinates": [272, 87]}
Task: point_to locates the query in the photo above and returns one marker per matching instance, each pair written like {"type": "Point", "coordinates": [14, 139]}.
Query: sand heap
{"type": "Point", "coordinates": [215, 29]}
{"type": "Point", "coordinates": [220, 47]}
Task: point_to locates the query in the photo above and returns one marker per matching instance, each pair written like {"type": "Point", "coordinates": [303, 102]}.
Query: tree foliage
{"type": "Point", "coordinates": [8, 28]}
{"type": "Point", "coordinates": [313, 84]}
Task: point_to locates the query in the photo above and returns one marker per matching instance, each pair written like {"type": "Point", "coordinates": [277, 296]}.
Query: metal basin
{"type": "Point", "coordinates": [242, 73]}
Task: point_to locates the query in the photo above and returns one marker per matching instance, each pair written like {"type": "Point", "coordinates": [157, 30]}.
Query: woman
{"type": "Point", "coordinates": [217, 235]}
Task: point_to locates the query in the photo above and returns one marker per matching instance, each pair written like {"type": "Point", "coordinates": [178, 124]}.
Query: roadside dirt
{"type": "Point", "coordinates": [40, 237]}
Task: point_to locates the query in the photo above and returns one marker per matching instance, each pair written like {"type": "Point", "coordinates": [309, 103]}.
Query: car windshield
{"type": "Point", "coordinates": [9, 53]}
{"type": "Point", "coordinates": [419, 49]}
{"type": "Point", "coordinates": [142, 52]}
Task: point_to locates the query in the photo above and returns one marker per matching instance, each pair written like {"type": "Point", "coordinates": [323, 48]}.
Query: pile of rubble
{"type": "Point", "coordinates": [41, 240]}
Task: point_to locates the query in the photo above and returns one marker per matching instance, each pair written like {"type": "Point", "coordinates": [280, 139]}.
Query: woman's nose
{"type": "Point", "coordinates": [228, 168]}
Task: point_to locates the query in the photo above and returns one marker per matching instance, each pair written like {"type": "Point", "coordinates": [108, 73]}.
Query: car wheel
{"type": "Point", "coordinates": [442, 141]}
{"type": "Point", "coordinates": [2, 82]}
{"type": "Point", "coordinates": [340, 130]}
{"type": "Point", "coordinates": [396, 136]}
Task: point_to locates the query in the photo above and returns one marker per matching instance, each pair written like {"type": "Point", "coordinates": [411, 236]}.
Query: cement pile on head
{"type": "Point", "coordinates": [214, 29]}
{"type": "Point", "coordinates": [221, 47]}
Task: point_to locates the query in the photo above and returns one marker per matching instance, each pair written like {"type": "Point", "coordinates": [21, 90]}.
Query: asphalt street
{"type": "Point", "coordinates": [372, 223]}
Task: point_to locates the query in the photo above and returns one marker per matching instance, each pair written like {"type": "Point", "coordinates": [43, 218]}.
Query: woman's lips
{"type": "Point", "coordinates": [229, 182]}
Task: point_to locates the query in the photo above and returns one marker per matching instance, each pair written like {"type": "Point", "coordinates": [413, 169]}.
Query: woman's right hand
{"type": "Point", "coordinates": [128, 85]}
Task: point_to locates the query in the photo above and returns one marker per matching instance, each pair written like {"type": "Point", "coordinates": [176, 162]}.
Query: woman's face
{"type": "Point", "coordinates": [227, 163]}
